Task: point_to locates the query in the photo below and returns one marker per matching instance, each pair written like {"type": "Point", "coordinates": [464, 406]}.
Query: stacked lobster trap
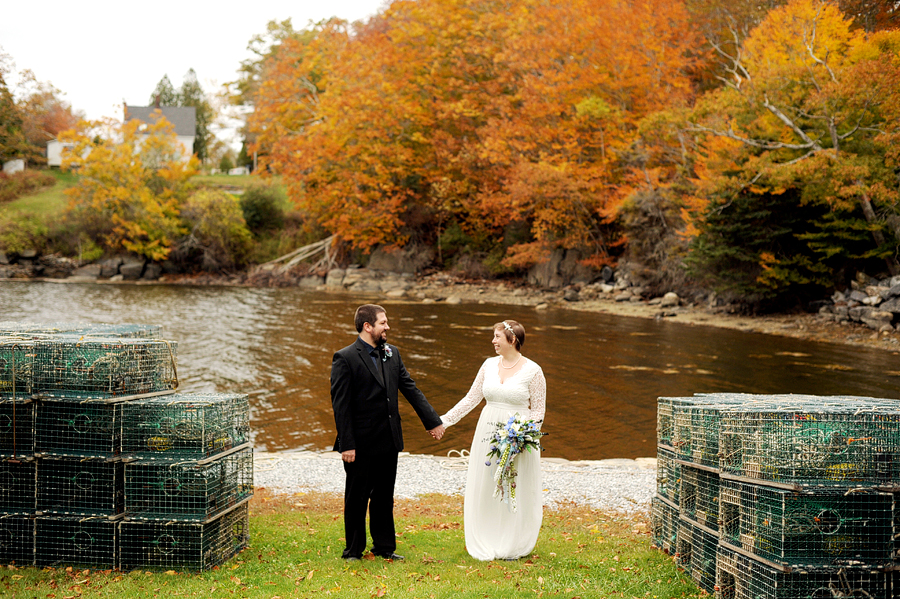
{"type": "Point", "coordinates": [780, 496]}
{"type": "Point", "coordinates": [104, 464]}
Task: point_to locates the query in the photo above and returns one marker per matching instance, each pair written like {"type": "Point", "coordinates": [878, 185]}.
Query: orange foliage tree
{"type": "Point", "coordinates": [484, 116]}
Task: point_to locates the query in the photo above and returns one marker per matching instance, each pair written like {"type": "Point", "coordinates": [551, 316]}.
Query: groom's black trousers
{"type": "Point", "coordinates": [370, 486]}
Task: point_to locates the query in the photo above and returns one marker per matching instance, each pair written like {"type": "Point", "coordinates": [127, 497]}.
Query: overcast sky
{"type": "Point", "coordinates": [101, 53]}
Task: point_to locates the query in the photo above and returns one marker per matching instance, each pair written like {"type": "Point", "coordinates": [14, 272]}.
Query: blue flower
{"type": "Point", "coordinates": [487, 463]}
{"type": "Point", "coordinates": [387, 353]}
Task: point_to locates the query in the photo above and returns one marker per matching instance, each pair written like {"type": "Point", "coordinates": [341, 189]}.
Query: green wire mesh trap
{"type": "Point", "coordinates": [695, 551]}
{"type": "Point", "coordinates": [17, 487]}
{"type": "Point", "coordinates": [187, 491]}
{"type": "Point", "coordinates": [799, 529]}
{"type": "Point", "coordinates": [80, 329]}
{"type": "Point", "coordinates": [700, 496]}
{"type": "Point", "coordinates": [185, 426]}
{"type": "Point", "coordinates": [73, 428]}
{"type": "Point", "coordinates": [16, 428]}
{"type": "Point", "coordinates": [68, 486]}
{"type": "Point", "coordinates": [16, 540]}
{"type": "Point", "coordinates": [663, 524]}
{"type": "Point", "coordinates": [96, 368]}
{"type": "Point", "coordinates": [817, 445]}
{"type": "Point", "coordinates": [740, 577]}
{"type": "Point", "coordinates": [75, 541]}
{"type": "Point", "coordinates": [668, 475]}
{"type": "Point", "coordinates": [16, 368]}
{"type": "Point", "coordinates": [182, 544]}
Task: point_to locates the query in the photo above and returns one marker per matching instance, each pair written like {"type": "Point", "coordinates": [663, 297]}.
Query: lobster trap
{"type": "Point", "coordinates": [67, 486]}
{"type": "Point", "coordinates": [185, 426]}
{"type": "Point", "coordinates": [36, 330]}
{"type": "Point", "coordinates": [187, 491]}
{"type": "Point", "coordinates": [696, 553]}
{"type": "Point", "coordinates": [73, 428]}
{"type": "Point", "coordinates": [16, 368]}
{"type": "Point", "coordinates": [797, 529]}
{"type": "Point", "coordinates": [17, 540]}
{"type": "Point", "coordinates": [194, 546]}
{"type": "Point", "coordinates": [700, 496]}
{"type": "Point", "coordinates": [17, 487]}
{"type": "Point", "coordinates": [664, 524]}
{"type": "Point", "coordinates": [98, 368]}
{"type": "Point", "coordinates": [668, 475]}
{"type": "Point", "coordinates": [16, 428]}
{"type": "Point", "coordinates": [741, 577]}
{"type": "Point", "coordinates": [838, 444]}
{"type": "Point", "coordinates": [76, 541]}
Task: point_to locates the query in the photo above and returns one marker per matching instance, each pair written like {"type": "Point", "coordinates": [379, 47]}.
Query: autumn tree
{"type": "Point", "coordinates": [190, 94]}
{"type": "Point", "coordinates": [131, 184]}
{"type": "Point", "coordinates": [802, 125]}
{"type": "Point", "coordinates": [45, 114]}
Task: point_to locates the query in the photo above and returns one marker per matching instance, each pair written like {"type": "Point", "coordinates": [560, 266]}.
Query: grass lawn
{"type": "Point", "coordinates": [296, 543]}
{"type": "Point", "coordinates": [240, 181]}
{"type": "Point", "coordinates": [47, 203]}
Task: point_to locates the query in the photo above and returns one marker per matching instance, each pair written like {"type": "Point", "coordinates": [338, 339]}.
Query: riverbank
{"type": "Point", "coordinates": [445, 287]}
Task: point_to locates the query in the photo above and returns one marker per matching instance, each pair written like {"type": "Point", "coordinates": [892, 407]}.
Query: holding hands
{"type": "Point", "coordinates": [437, 432]}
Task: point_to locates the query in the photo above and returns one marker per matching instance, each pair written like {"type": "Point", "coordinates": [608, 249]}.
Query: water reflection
{"type": "Point", "coordinates": [604, 373]}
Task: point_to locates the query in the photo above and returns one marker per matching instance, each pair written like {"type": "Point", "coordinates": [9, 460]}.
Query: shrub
{"type": "Point", "coordinates": [218, 237]}
{"type": "Point", "coordinates": [25, 232]}
{"type": "Point", "coordinates": [23, 183]}
{"type": "Point", "coordinates": [263, 208]}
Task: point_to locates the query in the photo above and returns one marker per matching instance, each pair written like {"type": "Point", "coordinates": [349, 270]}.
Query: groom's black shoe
{"type": "Point", "coordinates": [351, 559]}
{"type": "Point", "coordinates": [391, 556]}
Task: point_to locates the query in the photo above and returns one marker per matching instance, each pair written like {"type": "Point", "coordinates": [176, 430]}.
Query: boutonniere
{"type": "Point", "coordinates": [387, 353]}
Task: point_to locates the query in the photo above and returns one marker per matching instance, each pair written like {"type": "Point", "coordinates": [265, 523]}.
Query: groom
{"type": "Point", "coordinates": [365, 378]}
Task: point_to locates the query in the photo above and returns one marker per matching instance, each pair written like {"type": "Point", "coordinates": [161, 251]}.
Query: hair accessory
{"type": "Point", "coordinates": [508, 328]}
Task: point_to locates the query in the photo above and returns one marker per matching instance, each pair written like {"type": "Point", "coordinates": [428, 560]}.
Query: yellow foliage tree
{"type": "Point", "coordinates": [132, 180]}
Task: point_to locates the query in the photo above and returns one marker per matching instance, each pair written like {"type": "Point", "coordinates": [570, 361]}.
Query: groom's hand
{"type": "Point", "coordinates": [438, 432]}
{"type": "Point", "coordinates": [349, 455]}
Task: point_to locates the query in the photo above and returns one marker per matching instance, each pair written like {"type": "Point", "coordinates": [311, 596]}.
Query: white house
{"type": "Point", "coordinates": [55, 150]}
{"type": "Point", "coordinates": [183, 118]}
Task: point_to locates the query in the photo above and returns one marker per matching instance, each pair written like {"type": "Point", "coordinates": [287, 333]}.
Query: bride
{"type": "Point", "coordinates": [512, 384]}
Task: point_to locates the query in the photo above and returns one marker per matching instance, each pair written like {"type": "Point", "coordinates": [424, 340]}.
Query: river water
{"type": "Point", "coordinates": [604, 373]}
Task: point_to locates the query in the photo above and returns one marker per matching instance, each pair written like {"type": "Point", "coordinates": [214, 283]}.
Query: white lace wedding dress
{"type": "Point", "coordinates": [493, 530]}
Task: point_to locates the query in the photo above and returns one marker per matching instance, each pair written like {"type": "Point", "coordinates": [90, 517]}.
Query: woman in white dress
{"type": "Point", "coordinates": [511, 384]}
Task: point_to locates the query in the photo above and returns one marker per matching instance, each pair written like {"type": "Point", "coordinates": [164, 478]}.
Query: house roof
{"type": "Point", "coordinates": [183, 118]}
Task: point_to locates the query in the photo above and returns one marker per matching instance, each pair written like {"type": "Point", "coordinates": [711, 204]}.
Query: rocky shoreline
{"type": "Point", "coordinates": [862, 316]}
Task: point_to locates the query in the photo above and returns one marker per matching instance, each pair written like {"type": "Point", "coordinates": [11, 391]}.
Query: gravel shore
{"type": "Point", "coordinates": [621, 486]}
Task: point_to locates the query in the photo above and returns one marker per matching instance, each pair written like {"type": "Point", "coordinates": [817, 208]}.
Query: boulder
{"type": "Point", "coordinates": [110, 267]}
{"type": "Point", "coordinates": [4, 259]}
{"type": "Point", "coordinates": [310, 282]}
{"type": "Point", "coordinates": [859, 312]}
{"type": "Point", "coordinates": [892, 305]}
{"type": "Point", "coordinates": [670, 299]}
{"type": "Point", "coordinates": [876, 319]}
{"type": "Point", "coordinates": [893, 291]}
{"type": "Point", "coordinates": [607, 274]}
{"type": "Point", "coordinates": [623, 297]}
{"type": "Point", "coordinates": [88, 270]}
{"type": "Point", "coordinates": [335, 278]}
{"type": "Point", "coordinates": [560, 270]}
{"type": "Point", "coordinates": [152, 272]}
{"type": "Point", "coordinates": [28, 255]}
{"type": "Point", "coordinates": [132, 270]}
{"type": "Point", "coordinates": [571, 295]}
{"type": "Point", "coordinates": [4, 272]}
{"type": "Point", "coordinates": [454, 299]}
{"type": "Point", "coordinates": [858, 296]}
{"type": "Point", "coordinates": [410, 259]}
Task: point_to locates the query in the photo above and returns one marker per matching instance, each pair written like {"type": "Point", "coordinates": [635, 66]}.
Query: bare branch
{"type": "Point", "coordinates": [764, 145]}
{"type": "Point", "coordinates": [809, 142]}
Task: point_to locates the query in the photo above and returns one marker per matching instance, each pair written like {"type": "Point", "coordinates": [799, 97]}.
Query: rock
{"type": "Point", "coordinates": [655, 301]}
{"type": "Point", "coordinates": [571, 295]}
{"type": "Point", "coordinates": [858, 296]}
{"type": "Point", "coordinates": [841, 313]}
{"type": "Point", "coordinates": [89, 270]}
{"type": "Point", "coordinates": [410, 259]}
{"type": "Point", "coordinates": [826, 309]}
{"type": "Point", "coordinates": [395, 293]}
{"type": "Point", "coordinates": [132, 270]}
{"type": "Point", "coordinates": [152, 272]}
{"type": "Point", "coordinates": [623, 297]}
{"type": "Point", "coordinates": [877, 319]}
{"type": "Point", "coordinates": [335, 278]}
{"type": "Point", "coordinates": [110, 267]}
{"type": "Point", "coordinates": [364, 285]}
{"type": "Point", "coordinates": [634, 298]}
{"type": "Point", "coordinates": [4, 259]}
{"type": "Point", "coordinates": [607, 274]}
{"type": "Point", "coordinates": [872, 300]}
{"type": "Point", "coordinates": [588, 293]}
{"type": "Point", "coordinates": [607, 288]}
{"type": "Point", "coordinates": [670, 299]}
{"type": "Point", "coordinates": [859, 312]}
{"type": "Point", "coordinates": [310, 282]}
{"type": "Point", "coordinates": [28, 255]}
{"type": "Point", "coordinates": [116, 278]}
{"type": "Point", "coordinates": [561, 269]}
{"type": "Point", "coordinates": [542, 306]}
{"type": "Point", "coordinates": [454, 299]}
{"type": "Point", "coordinates": [4, 273]}
{"type": "Point", "coordinates": [892, 305]}
{"type": "Point", "coordinates": [838, 297]}
{"type": "Point", "coordinates": [892, 291]}
{"type": "Point", "coordinates": [169, 267]}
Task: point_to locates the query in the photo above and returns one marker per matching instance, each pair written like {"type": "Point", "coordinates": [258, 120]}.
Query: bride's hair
{"type": "Point", "coordinates": [513, 331]}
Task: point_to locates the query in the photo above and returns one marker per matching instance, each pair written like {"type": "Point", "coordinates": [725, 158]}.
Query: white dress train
{"type": "Point", "coordinates": [493, 530]}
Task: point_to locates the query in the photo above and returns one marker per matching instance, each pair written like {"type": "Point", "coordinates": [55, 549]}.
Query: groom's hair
{"type": "Point", "coordinates": [366, 313]}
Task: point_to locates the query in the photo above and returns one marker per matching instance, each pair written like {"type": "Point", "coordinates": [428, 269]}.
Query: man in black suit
{"type": "Point", "coordinates": [365, 379]}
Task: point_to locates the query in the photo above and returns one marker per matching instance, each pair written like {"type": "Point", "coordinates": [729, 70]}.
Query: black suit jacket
{"type": "Point", "coordinates": [366, 412]}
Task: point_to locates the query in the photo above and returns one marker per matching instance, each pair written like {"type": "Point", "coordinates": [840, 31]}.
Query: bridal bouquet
{"type": "Point", "coordinates": [508, 440]}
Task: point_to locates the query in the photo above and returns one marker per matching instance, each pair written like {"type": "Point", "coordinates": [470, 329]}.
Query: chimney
{"type": "Point", "coordinates": [157, 101]}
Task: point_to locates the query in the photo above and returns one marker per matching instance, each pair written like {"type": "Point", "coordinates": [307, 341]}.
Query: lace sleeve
{"type": "Point", "coordinates": [537, 389]}
{"type": "Point", "coordinates": [467, 403]}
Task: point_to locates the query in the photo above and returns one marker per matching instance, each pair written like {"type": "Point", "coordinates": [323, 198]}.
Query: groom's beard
{"type": "Point", "coordinates": [382, 339]}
